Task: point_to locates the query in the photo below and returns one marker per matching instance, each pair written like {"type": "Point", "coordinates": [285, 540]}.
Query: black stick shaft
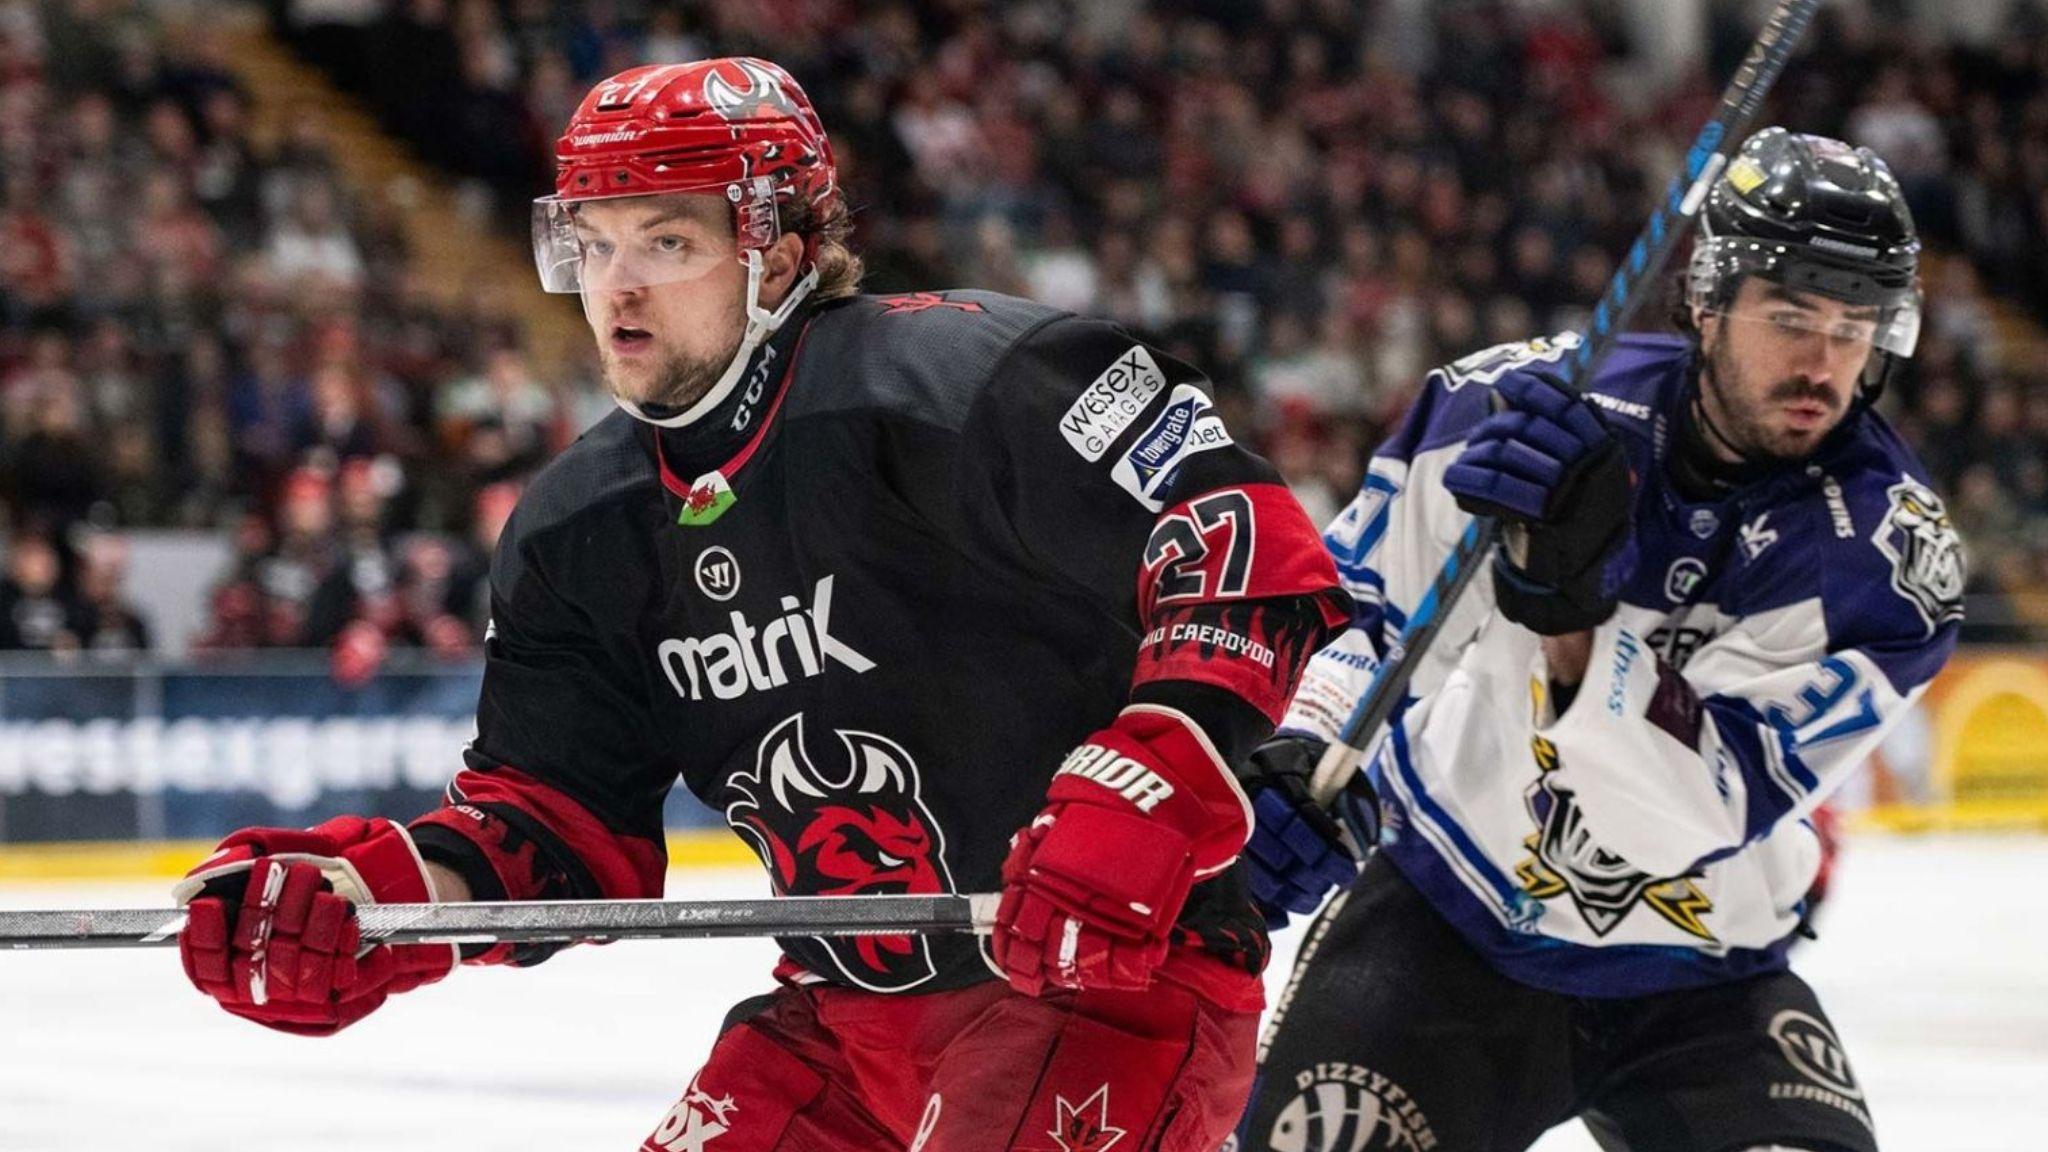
{"type": "Point", "coordinates": [1652, 249]}
{"type": "Point", "coordinates": [545, 921]}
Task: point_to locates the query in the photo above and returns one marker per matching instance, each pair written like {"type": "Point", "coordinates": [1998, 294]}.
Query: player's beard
{"type": "Point", "coordinates": [679, 380]}
{"type": "Point", "coordinates": [1740, 414]}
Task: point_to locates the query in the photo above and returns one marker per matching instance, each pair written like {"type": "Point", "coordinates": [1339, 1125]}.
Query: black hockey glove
{"type": "Point", "coordinates": [1298, 851]}
{"type": "Point", "coordinates": [1548, 467]}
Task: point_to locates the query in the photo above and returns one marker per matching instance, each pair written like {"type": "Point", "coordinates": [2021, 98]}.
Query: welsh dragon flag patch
{"type": "Point", "coordinates": [708, 499]}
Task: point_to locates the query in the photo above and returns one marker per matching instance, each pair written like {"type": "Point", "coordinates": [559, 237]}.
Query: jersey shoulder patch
{"type": "Point", "coordinates": [1884, 500]}
{"type": "Point", "coordinates": [1926, 555]}
{"type": "Point", "coordinates": [1114, 402]}
{"type": "Point", "coordinates": [1632, 384]}
{"type": "Point", "coordinates": [1488, 365]}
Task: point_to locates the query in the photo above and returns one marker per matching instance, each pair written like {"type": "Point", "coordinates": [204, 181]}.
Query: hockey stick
{"type": "Point", "coordinates": [546, 921]}
{"type": "Point", "coordinates": [1646, 258]}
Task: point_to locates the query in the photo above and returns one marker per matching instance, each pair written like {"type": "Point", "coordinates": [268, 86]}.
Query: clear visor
{"type": "Point", "coordinates": [1840, 306]}
{"type": "Point", "coordinates": [626, 242]}
{"type": "Point", "coordinates": [1796, 328]}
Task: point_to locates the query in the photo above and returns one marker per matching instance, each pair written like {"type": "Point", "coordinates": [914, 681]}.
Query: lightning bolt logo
{"type": "Point", "coordinates": [1681, 902]}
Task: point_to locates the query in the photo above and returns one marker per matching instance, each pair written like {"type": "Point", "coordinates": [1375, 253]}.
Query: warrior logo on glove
{"type": "Point", "coordinates": [865, 832]}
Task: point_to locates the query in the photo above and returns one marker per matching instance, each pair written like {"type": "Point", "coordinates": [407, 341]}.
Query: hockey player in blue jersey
{"type": "Point", "coordinates": [1724, 577]}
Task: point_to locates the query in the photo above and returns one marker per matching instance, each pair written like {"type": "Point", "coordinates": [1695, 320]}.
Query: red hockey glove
{"type": "Point", "coordinates": [271, 932]}
{"type": "Point", "coordinates": [1093, 886]}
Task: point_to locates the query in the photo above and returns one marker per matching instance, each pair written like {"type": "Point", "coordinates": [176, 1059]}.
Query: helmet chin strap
{"type": "Point", "coordinates": [1700, 472]}
{"type": "Point", "coordinates": [1706, 419]}
{"type": "Point", "coordinates": [761, 324]}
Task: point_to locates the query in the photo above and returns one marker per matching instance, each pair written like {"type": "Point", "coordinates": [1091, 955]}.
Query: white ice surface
{"type": "Point", "coordinates": [1933, 963]}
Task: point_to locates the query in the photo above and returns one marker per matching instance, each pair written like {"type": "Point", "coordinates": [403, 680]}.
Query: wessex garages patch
{"type": "Point", "coordinates": [1112, 402]}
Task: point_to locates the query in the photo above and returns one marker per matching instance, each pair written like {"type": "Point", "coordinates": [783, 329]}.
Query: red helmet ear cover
{"type": "Point", "coordinates": [709, 126]}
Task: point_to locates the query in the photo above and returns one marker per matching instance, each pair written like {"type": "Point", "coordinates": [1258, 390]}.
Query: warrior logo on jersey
{"type": "Point", "coordinates": [1349, 1108]}
{"type": "Point", "coordinates": [718, 573]}
{"type": "Point", "coordinates": [1564, 860]}
{"type": "Point", "coordinates": [864, 831]}
{"type": "Point", "coordinates": [1926, 555]}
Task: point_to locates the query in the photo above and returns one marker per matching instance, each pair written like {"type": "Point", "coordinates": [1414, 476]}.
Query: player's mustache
{"type": "Point", "coordinates": [1799, 388]}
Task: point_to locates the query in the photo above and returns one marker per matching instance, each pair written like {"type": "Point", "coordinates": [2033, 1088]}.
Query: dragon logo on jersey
{"type": "Point", "coordinates": [1926, 554]}
{"type": "Point", "coordinates": [1563, 860]}
{"type": "Point", "coordinates": [863, 831]}
{"type": "Point", "coordinates": [1348, 1108]}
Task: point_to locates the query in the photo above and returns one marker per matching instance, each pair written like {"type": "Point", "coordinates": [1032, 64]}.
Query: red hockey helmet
{"type": "Point", "coordinates": [736, 127]}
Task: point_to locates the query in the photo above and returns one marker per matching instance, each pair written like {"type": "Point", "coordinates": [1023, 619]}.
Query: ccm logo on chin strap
{"type": "Point", "coordinates": [1118, 773]}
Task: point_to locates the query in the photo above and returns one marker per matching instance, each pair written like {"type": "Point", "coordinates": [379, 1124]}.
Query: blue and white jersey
{"type": "Point", "coordinates": [1653, 835]}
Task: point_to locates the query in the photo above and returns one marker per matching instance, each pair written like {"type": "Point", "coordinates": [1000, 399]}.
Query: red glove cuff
{"type": "Point", "coordinates": [367, 861]}
{"type": "Point", "coordinates": [1158, 762]}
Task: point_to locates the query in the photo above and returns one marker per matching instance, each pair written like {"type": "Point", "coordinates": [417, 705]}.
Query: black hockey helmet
{"type": "Point", "coordinates": [1814, 215]}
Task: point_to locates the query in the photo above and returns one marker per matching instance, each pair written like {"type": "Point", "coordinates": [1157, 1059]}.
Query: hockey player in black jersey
{"type": "Point", "coordinates": [934, 592]}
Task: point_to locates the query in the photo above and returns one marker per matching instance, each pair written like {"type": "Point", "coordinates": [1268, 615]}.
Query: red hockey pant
{"type": "Point", "coordinates": [980, 1069]}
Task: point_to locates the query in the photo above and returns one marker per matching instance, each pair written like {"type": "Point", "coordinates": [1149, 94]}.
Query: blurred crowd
{"type": "Point", "coordinates": [1314, 200]}
{"type": "Point", "coordinates": [324, 570]}
{"type": "Point", "coordinates": [201, 327]}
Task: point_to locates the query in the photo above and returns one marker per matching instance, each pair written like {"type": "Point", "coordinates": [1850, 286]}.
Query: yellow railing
{"type": "Point", "coordinates": [168, 859]}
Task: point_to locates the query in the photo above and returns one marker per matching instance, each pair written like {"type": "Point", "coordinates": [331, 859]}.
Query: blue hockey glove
{"type": "Point", "coordinates": [1547, 465]}
{"type": "Point", "coordinates": [1298, 852]}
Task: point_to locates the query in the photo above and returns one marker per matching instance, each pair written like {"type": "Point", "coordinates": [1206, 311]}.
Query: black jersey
{"type": "Point", "coordinates": [865, 606]}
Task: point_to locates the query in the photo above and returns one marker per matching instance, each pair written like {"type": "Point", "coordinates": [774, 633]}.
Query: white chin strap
{"type": "Point", "coordinates": [761, 324]}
